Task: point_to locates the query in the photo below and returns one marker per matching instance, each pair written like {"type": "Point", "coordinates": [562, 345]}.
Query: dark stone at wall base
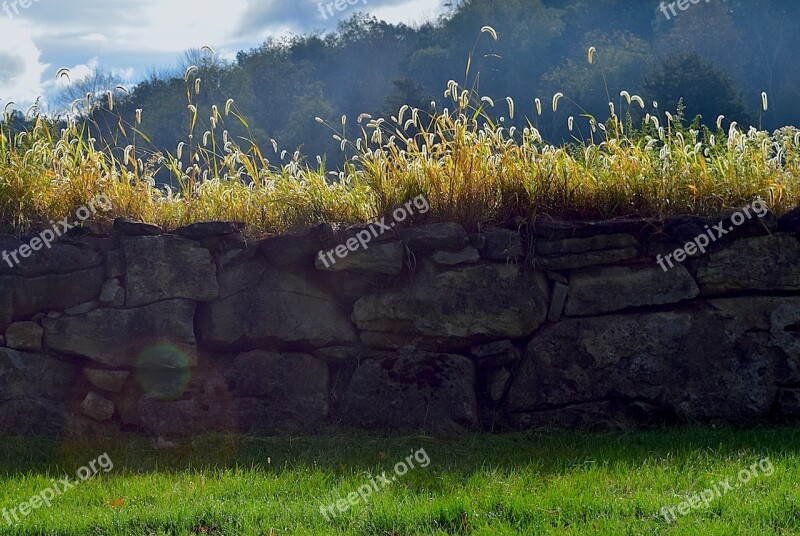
{"type": "Point", "coordinates": [254, 392]}
{"type": "Point", "coordinates": [700, 366]}
{"type": "Point", "coordinates": [600, 415]}
{"type": "Point", "coordinates": [412, 392]}
{"type": "Point", "coordinates": [97, 407]}
{"type": "Point", "coordinates": [34, 393]}
{"type": "Point", "coordinates": [280, 388]}
{"type": "Point", "coordinates": [789, 403]}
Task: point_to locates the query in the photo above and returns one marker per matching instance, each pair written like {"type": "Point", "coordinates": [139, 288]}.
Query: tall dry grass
{"type": "Point", "coordinates": [471, 169]}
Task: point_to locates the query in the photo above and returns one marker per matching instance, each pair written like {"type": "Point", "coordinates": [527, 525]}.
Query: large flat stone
{"type": "Point", "coordinates": [279, 309]}
{"type": "Point", "coordinates": [720, 362]}
{"type": "Point", "coordinates": [572, 261]}
{"type": "Point", "coordinates": [119, 337]}
{"type": "Point", "coordinates": [581, 245]}
{"type": "Point", "coordinates": [455, 309]}
{"type": "Point", "coordinates": [56, 292]}
{"type": "Point", "coordinates": [600, 290]}
{"type": "Point", "coordinates": [435, 236]}
{"type": "Point", "coordinates": [167, 267]}
{"type": "Point", "coordinates": [60, 258]}
{"type": "Point", "coordinates": [756, 263]}
{"type": "Point", "coordinates": [383, 259]}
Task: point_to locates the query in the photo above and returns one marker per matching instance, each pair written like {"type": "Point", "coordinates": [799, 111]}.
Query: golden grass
{"type": "Point", "coordinates": [471, 169]}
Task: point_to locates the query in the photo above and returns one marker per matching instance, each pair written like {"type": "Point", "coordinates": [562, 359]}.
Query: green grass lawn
{"type": "Point", "coordinates": [533, 483]}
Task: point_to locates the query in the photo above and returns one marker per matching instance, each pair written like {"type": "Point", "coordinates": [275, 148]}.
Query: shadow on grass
{"type": "Point", "coordinates": [548, 451]}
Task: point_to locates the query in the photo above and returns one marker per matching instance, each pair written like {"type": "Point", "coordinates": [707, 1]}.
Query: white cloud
{"type": "Point", "coordinates": [95, 37]}
{"type": "Point", "coordinates": [21, 68]}
{"type": "Point", "coordinates": [413, 12]}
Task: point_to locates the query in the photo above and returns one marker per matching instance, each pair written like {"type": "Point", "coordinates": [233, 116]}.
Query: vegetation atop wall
{"type": "Point", "coordinates": [657, 119]}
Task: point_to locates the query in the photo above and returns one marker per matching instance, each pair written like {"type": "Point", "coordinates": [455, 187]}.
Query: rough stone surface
{"type": "Point", "coordinates": [503, 245]}
{"type": "Point", "coordinates": [45, 293]}
{"type": "Point", "coordinates": [571, 261]}
{"type": "Point", "coordinates": [199, 231]}
{"type": "Point", "coordinates": [549, 229]}
{"type": "Point", "coordinates": [115, 264]}
{"type": "Point", "coordinates": [435, 348]}
{"type": "Point", "coordinates": [167, 267]}
{"type": "Point", "coordinates": [222, 244]}
{"type": "Point", "coordinates": [683, 229]}
{"type": "Point", "coordinates": [6, 301]}
{"type": "Point", "coordinates": [185, 417]}
{"type": "Point", "coordinates": [118, 338]}
{"type": "Point", "coordinates": [789, 403]}
{"type": "Point", "coordinates": [495, 354]}
{"type": "Point", "coordinates": [33, 393]}
{"type": "Point", "coordinates": [275, 309]}
{"type": "Point", "coordinates": [385, 259]}
{"type": "Point", "coordinates": [25, 336]}
{"type": "Point", "coordinates": [468, 255]}
{"type": "Point", "coordinates": [478, 241]}
{"type": "Point", "coordinates": [112, 294]}
{"type": "Point", "coordinates": [299, 250]}
{"type": "Point", "coordinates": [82, 309]}
{"type": "Point", "coordinates": [560, 293]}
{"type": "Point", "coordinates": [60, 258]}
{"type": "Point", "coordinates": [696, 365]}
{"type": "Point", "coordinates": [603, 290]}
{"type": "Point", "coordinates": [454, 309]}
{"type": "Point", "coordinates": [290, 387]}
{"type": "Point", "coordinates": [494, 383]}
{"type": "Point", "coordinates": [107, 380]}
{"type": "Point", "coordinates": [97, 407]}
{"type": "Point", "coordinates": [580, 245]}
{"type": "Point", "coordinates": [412, 392]}
{"type": "Point", "coordinates": [435, 237]}
{"type": "Point", "coordinates": [760, 263]}
{"type": "Point", "coordinates": [253, 392]}
{"type": "Point", "coordinates": [136, 228]}
{"type": "Point", "coordinates": [790, 223]}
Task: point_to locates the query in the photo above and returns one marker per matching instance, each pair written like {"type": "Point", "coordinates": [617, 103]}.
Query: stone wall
{"type": "Point", "coordinates": [551, 324]}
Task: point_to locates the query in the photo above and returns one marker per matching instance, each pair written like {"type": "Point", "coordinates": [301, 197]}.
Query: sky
{"type": "Point", "coordinates": [131, 38]}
